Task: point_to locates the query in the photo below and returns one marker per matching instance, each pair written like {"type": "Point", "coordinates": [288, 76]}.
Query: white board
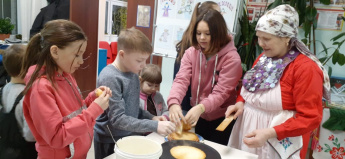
{"type": "Point", "coordinates": [173, 17]}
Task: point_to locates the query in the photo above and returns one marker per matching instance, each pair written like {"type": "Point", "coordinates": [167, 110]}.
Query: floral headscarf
{"type": "Point", "coordinates": [283, 21]}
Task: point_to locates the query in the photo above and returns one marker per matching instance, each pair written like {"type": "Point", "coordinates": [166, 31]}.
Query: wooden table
{"type": "Point", "coordinates": [225, 152]}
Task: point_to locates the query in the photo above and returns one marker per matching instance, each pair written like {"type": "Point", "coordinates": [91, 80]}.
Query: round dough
{"type": "Point", "coordinates": [98, 92]}
{"type": "Point", "coordinates": [185, 135]}
{"type": "Point", "coordinates": [187, 152]}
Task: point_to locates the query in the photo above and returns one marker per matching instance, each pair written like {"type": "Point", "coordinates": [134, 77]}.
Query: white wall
{"type": "Point", "coordinates": [26, 13]}
{"type": "Point", "coordinates": [101, 20]}
{"type": "Point", "coordinates": [167, 74]}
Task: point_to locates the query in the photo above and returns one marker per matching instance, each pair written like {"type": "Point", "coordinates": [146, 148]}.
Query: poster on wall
{"type": "Point", "coordinates": [143, 16]}
{"type": "Point", "coordinates": [259, 2]}
{"type": "Point", "coordinates": [173, 18]}
{"type": "Point", "coordinates": [333, 4]}
{"type": "Point", "coordinates": [228, 10]}
{"type": "Point", "coordinates": [255, 12]}
{"type": "Point", "coordinates": [256, 8]}
{"type": "Point", "coordinates": [330, 19]}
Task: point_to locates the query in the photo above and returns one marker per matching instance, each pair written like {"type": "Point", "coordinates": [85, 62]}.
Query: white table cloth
{"type": "Point", "coordinates": [331, 143]}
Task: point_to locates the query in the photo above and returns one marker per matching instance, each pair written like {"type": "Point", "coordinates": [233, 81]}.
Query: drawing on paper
{"type": "Point", "coordinates": [166, 10]}
{"type": "Point", "coordinates": [164, 36]}
{"type": "Point", "coordinates": [185, 9]}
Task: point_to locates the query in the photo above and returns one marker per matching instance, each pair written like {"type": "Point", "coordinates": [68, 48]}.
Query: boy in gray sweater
{"type": "Point", "coordinates": [124, 117]}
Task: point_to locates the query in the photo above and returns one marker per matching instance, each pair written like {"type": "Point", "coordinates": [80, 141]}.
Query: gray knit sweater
{"type": "Point", "coordinates": [124, 115]}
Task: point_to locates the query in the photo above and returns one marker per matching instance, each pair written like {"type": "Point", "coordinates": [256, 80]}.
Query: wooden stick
{"type": "Point", "coordinates": [225, 123]}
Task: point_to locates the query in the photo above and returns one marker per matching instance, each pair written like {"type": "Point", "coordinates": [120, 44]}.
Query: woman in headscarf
{"type": "Point", "coordinates": [281, 98]}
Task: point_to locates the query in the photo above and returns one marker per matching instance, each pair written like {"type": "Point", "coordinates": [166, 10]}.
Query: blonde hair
{"type": "Point", "coordinates": [132, 39]}
{"type": "Point", "coordinates": [151, 73]}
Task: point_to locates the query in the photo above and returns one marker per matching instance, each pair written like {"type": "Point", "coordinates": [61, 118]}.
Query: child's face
{"type": "Point", "coordinates": [148, 88]}
{"type": "Point", "coordinates": [203, 35]}
{"type": "Point", "coordinates": [70, 58]}
{"type": "Point", "coordinates": [134, 61]}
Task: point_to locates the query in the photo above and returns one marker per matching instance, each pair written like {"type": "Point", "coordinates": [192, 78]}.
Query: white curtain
{"type": "Point", "coordinates": [27, 12]}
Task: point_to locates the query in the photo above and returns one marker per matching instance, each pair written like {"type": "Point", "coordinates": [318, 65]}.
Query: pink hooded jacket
{"type": "Point", "coordinates": [215, 78]}
{"type": "Point", "coordinates": [60, 125]}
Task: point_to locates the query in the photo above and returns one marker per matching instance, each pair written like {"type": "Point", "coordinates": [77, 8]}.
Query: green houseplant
{"type": "Point", "coordinates": [119, 20]}
{"type": "Point", "coordinates": [246, 40]}
{"type": "Point", "coordinates": [6, 28]}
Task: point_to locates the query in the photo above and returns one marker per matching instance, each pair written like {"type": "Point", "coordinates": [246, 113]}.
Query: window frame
{"type": "Point", "coordinates": [109, 22]}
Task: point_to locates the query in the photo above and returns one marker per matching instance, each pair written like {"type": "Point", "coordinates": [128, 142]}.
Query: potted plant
{"type": "Point", "coordinates": [6, 28]}
{"type": "Point", "coordinates": [246, 40]}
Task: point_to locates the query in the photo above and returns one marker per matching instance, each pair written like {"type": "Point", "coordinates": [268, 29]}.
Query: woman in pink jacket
{"type": "Point", "coordinates": [58, 117]}
{"type": "Point", "coordinates": [213, 68]}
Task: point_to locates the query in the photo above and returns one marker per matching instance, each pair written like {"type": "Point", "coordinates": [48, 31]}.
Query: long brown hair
{"type": "Point", "coordinates": [218, 31]}
{"type": "Point", "coordinates": [186, 40]}
{"type": "Point", "coordinates": [56, 32]}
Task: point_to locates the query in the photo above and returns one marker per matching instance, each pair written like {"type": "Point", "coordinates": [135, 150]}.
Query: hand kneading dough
{"type": "Point", "coordinates": [187, 152]}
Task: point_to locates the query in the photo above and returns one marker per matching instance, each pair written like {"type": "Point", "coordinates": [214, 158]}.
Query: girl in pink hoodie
{"type": "Point", "coordinates": [58, 117]}
{"type": "Point", "coordinates": [212, 67]}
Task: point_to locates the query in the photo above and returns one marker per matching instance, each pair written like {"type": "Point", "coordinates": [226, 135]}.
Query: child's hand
{"type": "Point", "coordinates": [159, 118]}
{"type": "Point", "coordinates": [103, 89]}
{"type": "Point", "coordinates": [175, 113]}
{"type": "Point", "coordinates": [237, 109]}
{"type": "Point", "coordinates": [165, 127]}
{"type": "Point", "coordinates": [103, 100]}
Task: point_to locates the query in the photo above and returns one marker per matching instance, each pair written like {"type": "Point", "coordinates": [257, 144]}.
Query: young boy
{"type": "Point", "coordinates": [12, 61]}
{"type": "Point", "coordinates": [124, 117]}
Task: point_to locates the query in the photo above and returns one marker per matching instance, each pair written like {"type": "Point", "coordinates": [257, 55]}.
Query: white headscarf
{"type": "Point", "coordinates": [283, 21]}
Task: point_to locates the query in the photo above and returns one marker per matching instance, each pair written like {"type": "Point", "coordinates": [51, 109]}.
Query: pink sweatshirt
{"type": "Point", "coordinates": [54, 119]}
{"type": "Point", "coordinates": [227, 74]}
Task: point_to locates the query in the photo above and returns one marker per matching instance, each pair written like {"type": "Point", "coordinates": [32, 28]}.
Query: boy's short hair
{"type": "Point", "coordinates": [151, 73]}
{"type": "Point", "coordinates": [132, 39]}
{"type": "Point", "coordinates": [13, 59]}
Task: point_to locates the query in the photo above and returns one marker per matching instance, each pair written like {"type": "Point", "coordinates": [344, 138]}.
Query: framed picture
{"type": "Point", "coordinates": [143, 16]}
